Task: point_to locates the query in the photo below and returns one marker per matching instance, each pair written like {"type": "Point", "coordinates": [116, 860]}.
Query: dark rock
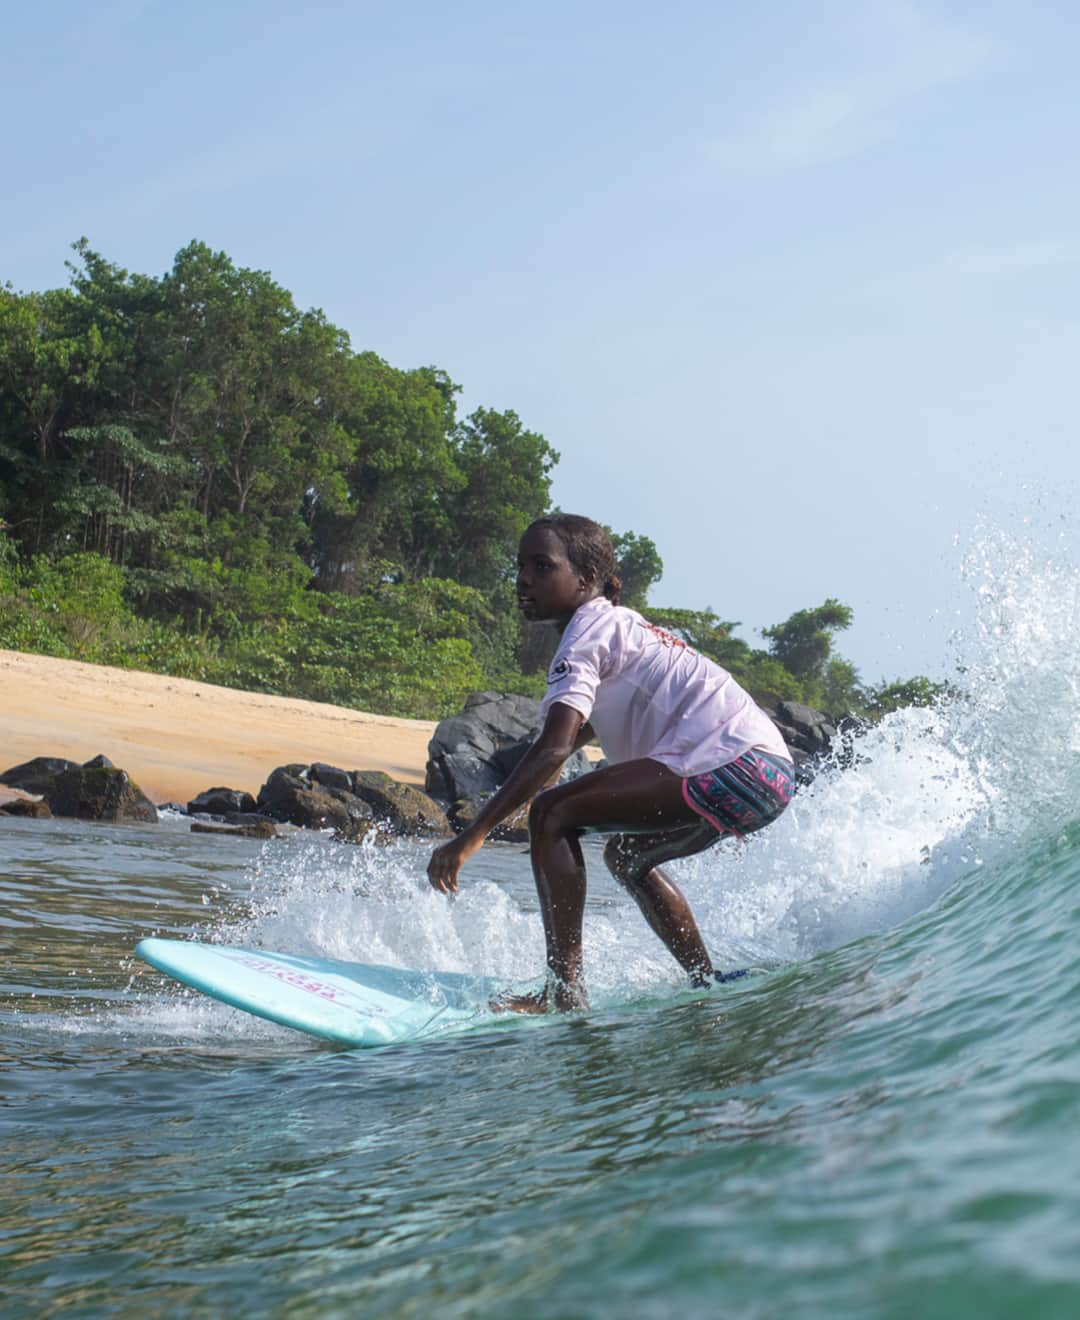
{"type": "Point", "coordinates": [804, 728]}
{"type": "Point", "coordinates": [506, 758]}
{"type": "Point", "coordinates": [515, 829]}
{"type": "Point", "coordinates": [294, 794]}
{"type": "Point", "coordinates": [357, 808]}
{"type": "Point", "coordinates": [462, 813]}
{"type": "Point", "coordinates": [35, 776]}
{"type": "Point", "coordinates": [812, 735]}
{"type": "Point", "coordinates": [33, 808]}
{"type": "Point", "coordinates": [99, 762]}
{"type": "Point", "coordinates": [220, 802]}
{"type": "Point", "coordinates": [473, 754]}
{"type": "Point", "coordinates": [356, 831]}
{"type": "Point", "coordinates": [263, 829]}
{"type": "Point", "coordinates": [244, 818]}
{"type": "Point", "coordinates": [790, 734]}
{"type": "Point", "coordinates": [330, 776]}
{"type": "Point", "coordinates": [315, 809]}
{"type": "Point", "coordinates": [436, 784]}
{"type": "Point", "coordinates": [102, 793]}
{"type": "Point", "coordinates": [277, 793]}
{"type": "Point", "coordinates": [290, 796]}
{"type": "Point", "coordinates": [403, 808]}
{"type": "Point", "coordinates": [463, 748]}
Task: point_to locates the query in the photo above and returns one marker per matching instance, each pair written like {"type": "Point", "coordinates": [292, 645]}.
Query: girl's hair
{"type": "Point", "coordinates": [588, 548]}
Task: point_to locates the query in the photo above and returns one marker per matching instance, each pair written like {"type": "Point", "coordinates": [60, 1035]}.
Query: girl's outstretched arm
{"type": "Point", "coordinates": [543, 760]}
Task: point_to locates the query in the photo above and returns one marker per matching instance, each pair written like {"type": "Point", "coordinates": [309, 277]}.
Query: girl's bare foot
{"type": "Point", "coordinates": [508, 1003]}
{"type": "Point", "coordinates": [560, 996]}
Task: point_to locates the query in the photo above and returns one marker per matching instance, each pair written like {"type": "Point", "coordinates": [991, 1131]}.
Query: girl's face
{"type": "Point", "coordinates": [548, 585]}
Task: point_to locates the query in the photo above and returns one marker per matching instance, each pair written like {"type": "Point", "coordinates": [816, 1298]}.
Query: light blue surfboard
{"type": "Point", "coordinates": [349, 1003]}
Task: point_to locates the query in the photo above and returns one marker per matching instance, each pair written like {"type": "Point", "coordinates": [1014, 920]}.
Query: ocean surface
{"type": "Point", "coordinates": [885, 1121]}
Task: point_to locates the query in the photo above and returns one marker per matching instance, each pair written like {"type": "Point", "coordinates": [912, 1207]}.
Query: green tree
{"type": "Point", "coordinates": [839, 690]}
{"type": "Point", "coordinates": [237, 373]}
{"type": "Point", "coordinates": [46, 362]}
{"type": "Point", "coordinates": [803, 643]}
{"type": "Point", "coordinates": [640, 566]}
{"type": "Point", "coordinates": [901, 693]}
{"type": "Point", "coordinates": [769, 681]}
{"type": "Point", "coordinates": [506, 484]}
{"type": "Point", "coordinates": [104, 498]}
{"type": "Point", "coordinates": [397, 471]}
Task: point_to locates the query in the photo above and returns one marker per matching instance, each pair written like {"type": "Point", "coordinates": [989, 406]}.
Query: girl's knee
{"type": "Point", "coordinates": [619, 859]}
{"type": "Point", "coordinates": [543, 813]}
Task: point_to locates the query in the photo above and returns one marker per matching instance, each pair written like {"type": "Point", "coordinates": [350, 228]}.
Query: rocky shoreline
{"type": "Point", "coordinates": [470, 755]}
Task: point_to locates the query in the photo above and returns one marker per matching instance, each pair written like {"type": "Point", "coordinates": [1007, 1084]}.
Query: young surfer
{"type": "Point", "coordinates": [690, 757]}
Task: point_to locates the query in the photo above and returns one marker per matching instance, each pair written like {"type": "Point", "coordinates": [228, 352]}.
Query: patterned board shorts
{"type": "Point", "coordinates": [743, 795]}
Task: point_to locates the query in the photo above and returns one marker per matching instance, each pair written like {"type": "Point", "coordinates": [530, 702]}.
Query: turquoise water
{"type": "Point", "coordinates": [885, 1122]}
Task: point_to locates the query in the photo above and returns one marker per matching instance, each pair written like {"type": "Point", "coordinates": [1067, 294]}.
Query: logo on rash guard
{"type": "Point", "coordinates": [666, 638]}
{"type": "Point", "coordinates": [559, 671]}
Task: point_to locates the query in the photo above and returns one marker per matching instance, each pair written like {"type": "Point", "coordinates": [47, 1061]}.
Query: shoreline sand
{"type": "Point", "coordinates": [176, 737]}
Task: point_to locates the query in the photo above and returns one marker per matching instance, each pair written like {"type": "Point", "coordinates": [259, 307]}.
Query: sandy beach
{"type": "Point", "coordinates": [176, 737]}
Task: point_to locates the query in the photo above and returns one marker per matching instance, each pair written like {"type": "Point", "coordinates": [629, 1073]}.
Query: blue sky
{"type": "Point", "coordinates": [792, 287]}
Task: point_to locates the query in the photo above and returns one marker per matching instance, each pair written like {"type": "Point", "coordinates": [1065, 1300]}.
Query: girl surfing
{"type": "Point", "coordinates": [691, 759]}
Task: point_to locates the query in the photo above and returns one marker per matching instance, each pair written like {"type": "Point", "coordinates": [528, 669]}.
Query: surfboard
{"type": "Point", "coordinates": [348, 1003]}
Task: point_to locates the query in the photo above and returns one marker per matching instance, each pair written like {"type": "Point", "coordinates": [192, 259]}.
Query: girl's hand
{"type": "Point", "coordinates": [448, 859]}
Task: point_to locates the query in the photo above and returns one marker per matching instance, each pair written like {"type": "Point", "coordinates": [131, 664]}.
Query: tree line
{"type": "Point", "coordinates": [199, 478]}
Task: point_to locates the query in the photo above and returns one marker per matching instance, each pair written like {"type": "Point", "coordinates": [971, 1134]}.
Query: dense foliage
{"type": "Point", "coordinates": [198, 478]}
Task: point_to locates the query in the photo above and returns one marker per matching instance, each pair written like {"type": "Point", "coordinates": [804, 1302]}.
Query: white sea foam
{"type": "Point", "coordinates": [331, 900]}
{"type": "Point", "coordinates": [932, 793]}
